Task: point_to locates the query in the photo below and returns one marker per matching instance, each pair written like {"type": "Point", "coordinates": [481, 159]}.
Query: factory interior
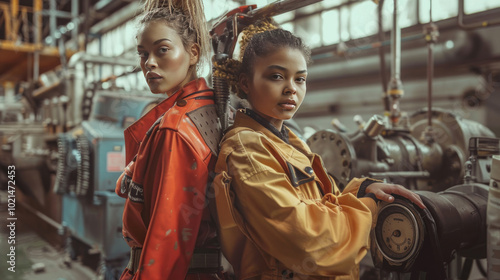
{"type": "Point", "coordinates": [402, 91]}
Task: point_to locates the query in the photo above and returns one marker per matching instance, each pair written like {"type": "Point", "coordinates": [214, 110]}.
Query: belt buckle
{"type": "Point", "coordinates": [206, 260]}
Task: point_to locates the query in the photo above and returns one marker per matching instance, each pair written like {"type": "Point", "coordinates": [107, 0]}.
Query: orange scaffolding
{"type": "Point", "coordinates": [23, 58]}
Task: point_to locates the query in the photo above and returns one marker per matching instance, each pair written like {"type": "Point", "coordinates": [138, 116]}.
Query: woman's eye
{"type": "Point", "coordinates": [301, 80]}
{"type": "Point", "coordinates": [277, 77]}
{"type": "Point", "coordinates": [142, 54]}
{"type": "Point", "coordinates": [163, 50]}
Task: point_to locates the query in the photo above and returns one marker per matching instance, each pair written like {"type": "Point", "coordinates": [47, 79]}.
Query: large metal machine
{"type": "Point", "coordinates": [402, 154]}
{"type": "Point", "coordinates": [432, 242]}
{"type": "Point", "coordinates": [91, 158]}
{"type": "Point", "coordinates": [67, 138]}
{"type": "Point", "coordinates": [444, 158]}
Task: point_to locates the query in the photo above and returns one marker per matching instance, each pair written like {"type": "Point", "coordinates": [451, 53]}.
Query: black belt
{"type": "Point", "coordinates": [204, 260]}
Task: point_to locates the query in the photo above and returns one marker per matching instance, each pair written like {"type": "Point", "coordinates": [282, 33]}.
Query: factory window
{"type": "Point", "coordinates": [440, 10]}
{"type": "Point", "coordinates": [331, 32]}
{"type": "Point", "coordinates": [307, 28]}
{"type": "Point", "coordinates": [473, 6]}
{"type": "Point", "coordinates": [363, 20]}
{"type": "Point", "coordinates": [216, 8]}
{"type": "Point", "coordinates": [407, 15]}
{"type": "Point", "coordinates": [355, 21]}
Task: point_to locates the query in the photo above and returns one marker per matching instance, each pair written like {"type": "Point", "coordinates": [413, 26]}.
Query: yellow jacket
{"type": "Point", "coordinates": [273, 219]}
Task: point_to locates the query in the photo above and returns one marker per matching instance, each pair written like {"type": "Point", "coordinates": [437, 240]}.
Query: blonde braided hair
{"type": "Point", "coordinates": [230, 69]}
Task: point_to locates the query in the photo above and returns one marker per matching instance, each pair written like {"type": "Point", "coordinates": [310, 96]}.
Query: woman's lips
{"type": "Point", "coordinates": [153, 77]}
{"type": "Point", "coordinates": [288, 105]}
{"type": "Point", "coordinates": [154, 80]}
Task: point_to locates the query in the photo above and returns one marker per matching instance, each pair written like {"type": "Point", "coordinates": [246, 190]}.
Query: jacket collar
{"type": "Point", "coordinates": [295, 143]}
{"type": "Point", "coordinates": [283, 134]}
{"type": "Point", "coordinates": [136, 131]}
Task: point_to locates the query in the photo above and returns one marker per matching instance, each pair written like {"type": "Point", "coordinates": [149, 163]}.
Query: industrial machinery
{"type": "Point", "coordinates": [444, 158]}
{"type": "Point", "coordinates": [401, 155]}
{"type": "Point", "coordinates": [67, 138]}
{"type": "Point", "coordinates": [91, 158]}
{"type": "Point", "coordinates": [408, 239]}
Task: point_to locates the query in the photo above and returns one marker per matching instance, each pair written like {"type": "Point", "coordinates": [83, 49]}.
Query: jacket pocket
{"type": "Point", "coordinates": [224, 200]}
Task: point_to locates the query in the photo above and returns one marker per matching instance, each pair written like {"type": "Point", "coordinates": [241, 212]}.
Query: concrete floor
{"type": "Point", "coordinates": [35, 258]}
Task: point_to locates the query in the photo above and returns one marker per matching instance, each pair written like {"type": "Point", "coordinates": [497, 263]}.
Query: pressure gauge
{"type": "Point", "coordinates": [398, 234]}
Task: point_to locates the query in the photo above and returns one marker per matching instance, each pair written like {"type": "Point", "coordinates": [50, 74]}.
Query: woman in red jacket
{"type": "Point", "coordinates": [170, 151]}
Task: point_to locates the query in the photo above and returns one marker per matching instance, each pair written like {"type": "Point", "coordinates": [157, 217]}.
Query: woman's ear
{"type": "Point", "coordinates": [194, 53]}
{"type": "Point", "coordinates": [244, 82]}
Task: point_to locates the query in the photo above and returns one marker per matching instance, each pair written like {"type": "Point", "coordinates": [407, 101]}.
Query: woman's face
{"type": "Point", "coordinates": [164, 61]}
{"type": "Point", "coordinates": [278, 85]}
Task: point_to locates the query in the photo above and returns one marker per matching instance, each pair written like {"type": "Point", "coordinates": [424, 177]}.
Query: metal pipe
{"type": "Point", "coordinates": [116, 19]}
{"type": "Point", "coordinates": [430, 68]}
{"type": "Point", "coordinates": [396, 45]}
{"type": "Point", "coordinates": [97, 59]}
{"type": "Point", "coordinates": [37, 35]}
{"type": "Point", "coordinates": [52, 21]}
{"type": "Point", "coordinates": [430, 74]}
{"type": "Point", "coordinates": [381, 54]}
{"type": "Point", "coordinates": [14, 10]}
{"type": "Point", "coordinates": [280, 7]}
{"type": "Point", "coordinates": [75, 21]}
{"type": "Point", "coordinates": [431, 34]}
{"type": "Point", "coordinates": [395, 88]}
{"type": "Point", "coordinates": [400, 174]}
{"type": "Point", "coordinates": [460, 19]}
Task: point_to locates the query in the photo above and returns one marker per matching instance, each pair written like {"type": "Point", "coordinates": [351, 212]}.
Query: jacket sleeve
{"type": "Point", "coordinates": [327, 236]}
{"type": "Point", "coordinates": [357, 187]}
{"type": "Point", "coordinates": [177, 204]}
{"type": "Point", "coordinates": [122, 184]}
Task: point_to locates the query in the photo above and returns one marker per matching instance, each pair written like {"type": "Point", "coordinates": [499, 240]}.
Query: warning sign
{"type": "Point", "coordinates": [115, 162]}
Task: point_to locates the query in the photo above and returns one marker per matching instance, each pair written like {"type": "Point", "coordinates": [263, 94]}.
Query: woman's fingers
{"type": "Point", "coordinates": [380, 194]}
{"type": "Point", "coordinates": [413, 197]}
{"type": "Point", "coordinates": [385, 192]}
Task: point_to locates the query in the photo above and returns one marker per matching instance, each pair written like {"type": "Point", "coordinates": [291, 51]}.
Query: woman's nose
{"type": "Point", "coordinates": [151, 63]}
{"type": "Point", "coordinates": [290, 88]}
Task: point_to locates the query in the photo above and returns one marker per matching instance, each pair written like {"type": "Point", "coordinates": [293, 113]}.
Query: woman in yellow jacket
{"type": "Point", "coordinates": [280, 215]}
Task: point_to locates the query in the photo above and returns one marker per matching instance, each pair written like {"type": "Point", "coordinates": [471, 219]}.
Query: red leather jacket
{"type": "Point", "coordinates": [165, 182]}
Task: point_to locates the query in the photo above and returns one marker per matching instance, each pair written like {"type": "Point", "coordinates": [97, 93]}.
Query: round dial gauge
{"type": "Point", "coordinates": [397, 232]}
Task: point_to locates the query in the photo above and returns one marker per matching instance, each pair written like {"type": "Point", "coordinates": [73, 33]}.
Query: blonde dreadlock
{"type": "Point", "coordinates": [231, 68]}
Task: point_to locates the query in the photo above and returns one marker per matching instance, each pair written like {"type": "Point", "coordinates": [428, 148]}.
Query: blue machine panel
{"type": "Point", "coordinates": [97, 223]}
{"type": "Point", "coordinates": [91, 210]}
{"type": "Point", "coordinates": [108, 151]}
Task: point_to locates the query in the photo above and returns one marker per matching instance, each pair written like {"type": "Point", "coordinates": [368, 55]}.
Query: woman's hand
{"type": "Point", "coordinates": [383, 192]}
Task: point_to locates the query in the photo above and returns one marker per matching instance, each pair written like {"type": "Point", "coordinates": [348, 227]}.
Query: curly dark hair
{"type": "Point", "coordinates": [266, 43]}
